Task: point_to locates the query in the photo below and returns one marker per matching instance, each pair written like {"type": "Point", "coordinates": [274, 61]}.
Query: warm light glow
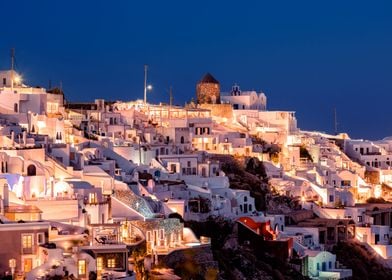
{"type": "Point", "coordinates": [377, 191]}
{"type": "Point", "coordinates": [149, 87]}
{"type": "Point", "coordinates": [17, 79]}
{"type": "Point", "coordinates": [61, 187]}
{"type": "Point", "coordinates": [41, 124]}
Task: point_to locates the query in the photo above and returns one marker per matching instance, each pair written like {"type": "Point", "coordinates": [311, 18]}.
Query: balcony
{"type": "Point", "coordinates": [28, 251]}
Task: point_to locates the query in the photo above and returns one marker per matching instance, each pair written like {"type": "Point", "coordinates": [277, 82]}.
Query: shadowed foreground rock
{"type": "Point", "coordinates": [197, 263]}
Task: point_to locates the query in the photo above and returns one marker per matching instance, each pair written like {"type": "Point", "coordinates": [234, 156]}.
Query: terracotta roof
{"type": "Point", "coordinates": [22, 209]}
{"type": "Point", "coordinates": [209, 79]}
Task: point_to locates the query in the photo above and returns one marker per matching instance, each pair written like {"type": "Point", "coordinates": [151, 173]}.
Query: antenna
{"type": "Point", "coordinates": [335, 122]}
{"type": "Point", "coordinates": [12, 67]}
{"type": "Point", "coordinates": [171, 96]}
{"type": "Point", "coordinates": [145, 83]}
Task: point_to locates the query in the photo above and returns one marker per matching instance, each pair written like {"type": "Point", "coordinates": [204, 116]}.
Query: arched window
{"type": "Point", "coordinates": [31, 170]}
{"type": "Point", "coordinates": [245, 199]}
{"type": "Point", "coordinates": [16, 107]}
{"type": "Point", "coordinates": [182, 140]}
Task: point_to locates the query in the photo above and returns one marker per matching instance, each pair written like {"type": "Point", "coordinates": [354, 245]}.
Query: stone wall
{"type": "Point", "coordinates": [208, 93]}
{"type": "Point", "coordinates": [219, 110]}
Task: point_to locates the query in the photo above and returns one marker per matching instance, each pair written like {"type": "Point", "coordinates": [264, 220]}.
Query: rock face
{"type": "Point", "coordinates": [196, 263]}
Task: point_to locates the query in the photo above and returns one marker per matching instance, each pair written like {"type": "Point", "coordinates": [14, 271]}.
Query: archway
{"type": "Point", "coordinates": [31, 170]}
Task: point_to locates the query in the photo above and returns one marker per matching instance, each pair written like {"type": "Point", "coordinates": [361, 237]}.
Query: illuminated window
{"type": "Point", "coordinates": [81, 267]}
{"type": "Point", "coordinates": [111, 263]}
{"type": "Point", "coordinates": [92, 197]}
{"type": "Point", "coordinates": [99, 264]}
{"type": "Point", "coordinates": [27, 242]}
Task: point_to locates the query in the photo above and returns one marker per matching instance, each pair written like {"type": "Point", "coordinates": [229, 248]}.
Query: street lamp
{"type": "Point", "coordinates": [12, 265]}
{"type": "Point", "coordinates": [146, 87]}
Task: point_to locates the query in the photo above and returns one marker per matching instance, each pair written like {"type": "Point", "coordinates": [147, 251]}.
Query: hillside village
{"type": "Point", "coordinates": [112, 189]}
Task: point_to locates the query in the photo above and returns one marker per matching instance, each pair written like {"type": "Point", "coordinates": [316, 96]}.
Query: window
{"type": "Point", "coordinates": [189, 163]}
{"type": "Point", "coordinates": [31, 170]}
{"type": "Point", "coordinates": [99, 264]}
{"type": "Point", "coordinates": [359, 219]}
{"type": "Point", "coordinates": [92, 198]}
{"type": "Point", "coordinates": [81, 267]}
{"type": "Point", "coordinates": [346, 183]}
{"type": "Point", "coordinates": [112, 263]}
{"type": "Point", "coordinates": [16, 107]}
{"type": "Point", "coordinates": [161, 234]}
{"type": "Point", "coordinates": [331, 198]}
{"type": "Point", "coordinates": [330, 265]}
{"type": "Point", "coordinates": [148, 236]}
{"type": "Point", "coordinates": [4, 81]}
{"type": "Point", "coordinates": [250, 207]}
{"type": "Point", "coordinates": [245, 199]}
{"type": "Point", "coordinates": [318, 266]}
{"type": "Point", "coordinates": [40, 238]}
{"type": "Point", "coordinates": [27, 243]}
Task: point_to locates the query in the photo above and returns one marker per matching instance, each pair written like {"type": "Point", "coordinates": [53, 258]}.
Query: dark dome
{"type": "Point", "coordinates": [209, 79]}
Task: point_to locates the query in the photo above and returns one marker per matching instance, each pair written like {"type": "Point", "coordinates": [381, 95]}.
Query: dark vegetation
{"type": "Point", "coordinates": [235, 261]}
{"type": "Point", "coordinates": [246, 173]}
{"type": "Point", "coordinates": [365, 264]}
{"type": "Point", "coordinates": [376, 200]}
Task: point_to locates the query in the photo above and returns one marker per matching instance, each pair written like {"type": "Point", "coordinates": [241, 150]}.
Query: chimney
{"type": "Point", "coordinates": [24, 138]}
{"type": "Point", "coordinates": [13, 138]}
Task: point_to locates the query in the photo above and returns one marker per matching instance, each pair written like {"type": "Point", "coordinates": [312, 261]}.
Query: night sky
{"type": "Point", "coordinates": [307, 56]}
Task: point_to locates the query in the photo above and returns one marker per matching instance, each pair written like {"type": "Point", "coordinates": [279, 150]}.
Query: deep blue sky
{"type": "Point", "coordinates": [307, 56]}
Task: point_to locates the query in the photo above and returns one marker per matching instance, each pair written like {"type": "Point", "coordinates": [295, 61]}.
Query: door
{"type": "Point", "coordinates": [27, 264]}
{"type": "Point", "coordinates": [323, 266]}
{"type": "Point", "coordinates": [204, 172]}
